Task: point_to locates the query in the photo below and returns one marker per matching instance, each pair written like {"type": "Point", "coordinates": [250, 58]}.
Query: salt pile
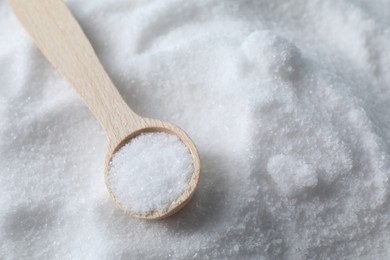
{"type": "Point", "coordinates": [150, 173]}
{"type": "Point", "coordinates": [287, 102]}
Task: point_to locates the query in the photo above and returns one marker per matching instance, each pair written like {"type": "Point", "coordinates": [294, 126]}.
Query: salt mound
{"type": "Point", "coordinates": [272, 54]}
{"type": "Point", "coordinates": [150, 173]}
{"type": "Point", "coordinates": [291, 176]}
{"type": "Point", "coordinates": [287, 102]}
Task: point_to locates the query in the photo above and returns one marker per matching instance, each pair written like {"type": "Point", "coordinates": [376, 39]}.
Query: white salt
{"type": "Point", "coordinates": [150, 172]}
{"type": "Point", "coordinates": [287, 102]}
{"type": "Point", "coordinates": [291, 176]}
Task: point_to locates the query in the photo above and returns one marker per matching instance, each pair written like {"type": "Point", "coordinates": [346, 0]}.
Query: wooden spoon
{"type": "Point", "coordinates": [61, 39]}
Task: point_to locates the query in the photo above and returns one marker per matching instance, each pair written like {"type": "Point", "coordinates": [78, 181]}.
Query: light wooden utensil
{"type": "Point", "coordinates": [61, 39]}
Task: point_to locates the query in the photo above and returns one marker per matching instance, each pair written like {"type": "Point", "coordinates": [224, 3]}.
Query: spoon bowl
{"type": "Point", "coordinates": [153, 126]}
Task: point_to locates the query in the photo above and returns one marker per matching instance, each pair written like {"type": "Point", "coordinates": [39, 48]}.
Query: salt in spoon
{"type": "Point", "coordinates": [60, 38]}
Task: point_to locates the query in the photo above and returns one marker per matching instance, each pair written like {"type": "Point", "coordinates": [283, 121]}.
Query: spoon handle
{"type": "Point", "coordinates": [60, 38]}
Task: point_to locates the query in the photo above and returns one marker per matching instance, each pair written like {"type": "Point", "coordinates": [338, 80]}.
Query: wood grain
{"type": "Point", "coordinates": [61, 39]}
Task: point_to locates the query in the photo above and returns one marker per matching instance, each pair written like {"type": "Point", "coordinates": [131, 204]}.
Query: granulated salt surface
{"type": "Point", "coordinates": [150, 173]}
{"type": "Point", "coordinates": [287, 102]}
